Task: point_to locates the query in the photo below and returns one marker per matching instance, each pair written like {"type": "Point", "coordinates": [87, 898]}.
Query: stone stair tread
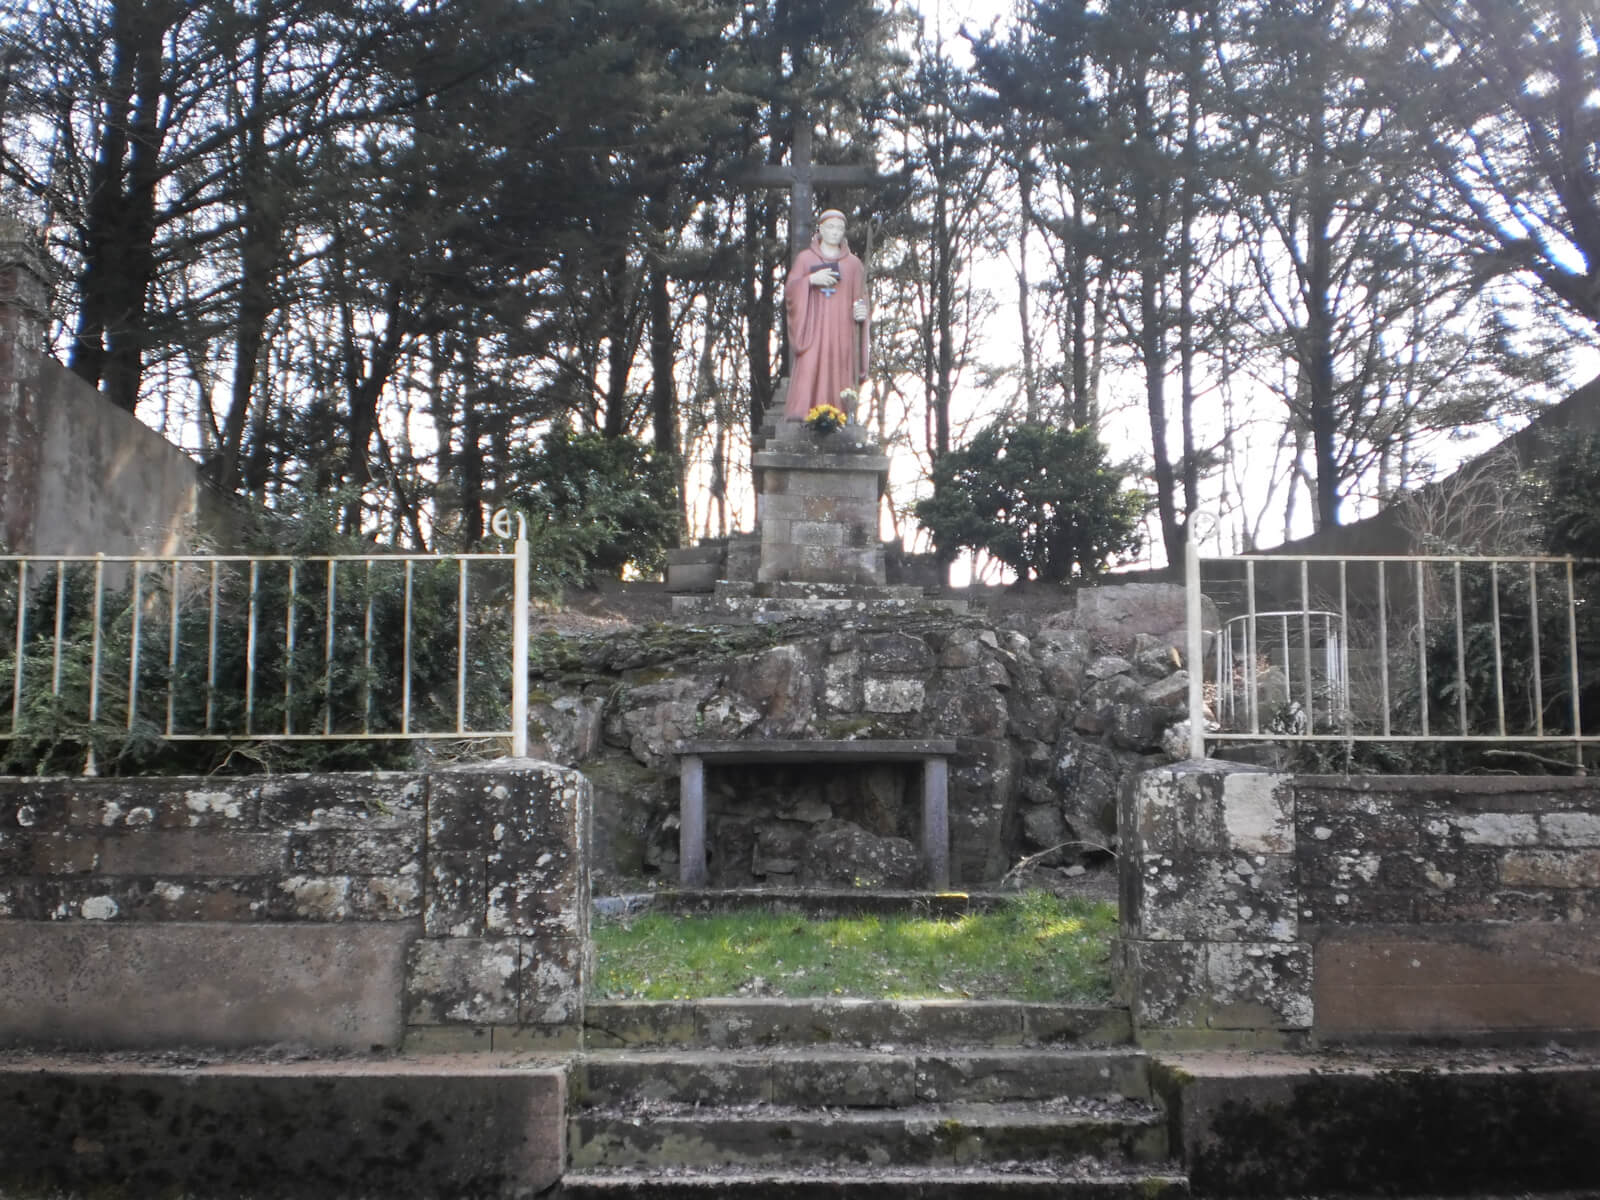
{"type": "Point", "coordinates": [1041, 1180]}
{"type": "Point", "coordinates": [757, 1022]}
{"type": "Point", "coordinates": [775, 1137]}
{"type": "Point", "coordinates": [977, 1114]}
{"type": "Point", "coordinates": [857, 1077]}
{"type": "Point", "coordinates": [845, 1054]}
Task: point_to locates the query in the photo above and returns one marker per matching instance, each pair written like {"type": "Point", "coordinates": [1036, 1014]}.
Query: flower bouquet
{"type": "Point", "coordinates": [825, 418]}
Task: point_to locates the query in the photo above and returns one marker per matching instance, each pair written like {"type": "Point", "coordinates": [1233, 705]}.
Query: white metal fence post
{"type": "Point", "coordinates": [519, 644]}
{"type": "Point", "coordinates": [1196, 663]}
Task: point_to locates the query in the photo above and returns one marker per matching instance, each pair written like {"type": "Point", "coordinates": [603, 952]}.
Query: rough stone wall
{"type": "Point", "coordinates": [332, 911]}
{"type": "Point", "coordinates": [1049, 711]}
{"type": "Point", "coordinates": [77, 474]}
{"type": "Point", "coordinates": [1264, 907]}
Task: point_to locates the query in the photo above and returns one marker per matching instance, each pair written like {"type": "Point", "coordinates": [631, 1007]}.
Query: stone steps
{"type": "Point", "coordinates": [838, 1098]}
{"type": "Point", "coordinates": [1062, 1182]}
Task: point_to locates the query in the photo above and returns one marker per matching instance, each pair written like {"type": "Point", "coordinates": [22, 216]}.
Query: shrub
{"type": "Point", "coordinates": [1046, 502]}
{"type": "Point", "coordinates": [604, 503]}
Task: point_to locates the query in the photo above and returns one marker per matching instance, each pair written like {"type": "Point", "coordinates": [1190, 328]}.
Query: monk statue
{"type": "Point", "coordinates": [828, 331]}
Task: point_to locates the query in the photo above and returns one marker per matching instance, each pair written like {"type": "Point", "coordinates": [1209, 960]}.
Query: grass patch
{"type": "Point", "coordinates": [1037, 947]}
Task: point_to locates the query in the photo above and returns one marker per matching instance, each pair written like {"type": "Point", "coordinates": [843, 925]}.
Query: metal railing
{"type": "Point", "coordinates": [269, 648]}
{"type": "Point", "coordinates": [1267, 659]}
{"type": "Point", "coordinates": [1394, 648]}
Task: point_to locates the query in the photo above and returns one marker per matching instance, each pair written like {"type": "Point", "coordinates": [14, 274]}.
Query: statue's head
{"type": "Point", "coordinates": [830, 227]}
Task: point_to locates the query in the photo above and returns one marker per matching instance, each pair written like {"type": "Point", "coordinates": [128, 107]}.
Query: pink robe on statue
{"type": "Point", "coordinates": [829, 347]}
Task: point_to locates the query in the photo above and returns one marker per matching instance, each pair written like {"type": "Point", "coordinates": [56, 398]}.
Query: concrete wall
{"type": "Point", "coordinates": [1267, 908]}
{"type": "Point", "coordinates": [77, 474]}
{"type": "Point", "coordinates": [339, 911]}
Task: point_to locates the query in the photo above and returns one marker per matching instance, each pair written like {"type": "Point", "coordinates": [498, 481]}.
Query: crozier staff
{"type": "Point", "coordinates": [829, 335]}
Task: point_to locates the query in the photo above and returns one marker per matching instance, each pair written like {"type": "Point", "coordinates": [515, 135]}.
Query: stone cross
{"type": "Point", "coordinates": [801, 176]}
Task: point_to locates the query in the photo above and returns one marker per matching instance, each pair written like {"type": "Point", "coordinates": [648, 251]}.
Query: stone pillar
{"type": "Point", "coordinates": [692, 821]}
{"type": "Point", "coordinates": [504, 956]}
{"type": "Point", "coordinates": [818, 512]}
{"type": "Point", "coordinates": [24, 305]}
{"type": "Point", "coordinates": [936, 822]}
{"type": "Point", "coordinates": [1210, 908]}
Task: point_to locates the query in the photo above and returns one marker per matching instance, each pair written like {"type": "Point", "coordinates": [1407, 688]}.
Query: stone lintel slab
{"type": "Point", "coordinates": [784, 751]}
{"type": "Point", "coordinates": [777, 460]}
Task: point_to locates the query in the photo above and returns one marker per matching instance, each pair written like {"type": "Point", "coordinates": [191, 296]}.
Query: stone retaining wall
{"type": "Point", "coordinates": [445, 910]}
{"type": "Point", "coordinates": [1268, 907]}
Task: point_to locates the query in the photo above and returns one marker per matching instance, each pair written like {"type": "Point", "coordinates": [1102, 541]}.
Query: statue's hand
{"type": "Point", "coordinates": [825, 279]}
{"type": "Point", "coordinates": [860, 310]}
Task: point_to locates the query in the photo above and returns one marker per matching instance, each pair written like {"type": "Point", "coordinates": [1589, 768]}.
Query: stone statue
{"type": "Point", "coordinates": [829, 341]}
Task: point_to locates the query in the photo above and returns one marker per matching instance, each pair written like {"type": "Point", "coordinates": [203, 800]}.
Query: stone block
{"type": "Point", "coordinates": [353, 851]}
{"type": "Point", "coordinates": [554, 971]}
{"type": "Point", "coordinates": [890, 652]}
{"type": "Point", "coordinates": [472, 981]}
{"type": "Point", "coordinates": [617, 1024]}
{"type": "Point", "coordinates": [780, 507]}
{"type": "Point", "coordinates": [823, 532]}
{"type": "Point", "coordinates": [1500, 907]}
{"type": "Point", "coordinates": [1167, 982]}
{"type": "Point", "coordinates": [390, 801]}
{"type": "Point", "coordinates": [168, 803]}
{"type": "Point", "coordinates": [172, 853]}
{"type": "Point", "coordinates": [191, 899]}
{"type": "Point", "coordinates": [56, 853]}
{"type": "Point", "coordinates": [1464, 872]}
{"type": "Point", "coordinates": [1362, 905]}
{"type": "Point", "coordinates": [1498, 829]}
{"type": "Point", "coordinates": [538, 1039]}
{"type": "Point", "coordinates": [1258, 813]}
{"type": "Point", "coordinates": [1217, 898]}
{"type": "Point", "coordinates": [448, 1039]}
{"type": "Point", "coordinates": [1551, 868]}
{"type": "Point", "coordinates": [1255, 986]}
{"type": "Point", "coordinates": [196, 804]}
{"type": "Point", "coordinates": [456, 894]}
{"type": "Point", "coordinates": [1321, 827]}
{"type": "Point", "coordinates": [1201, 808]}
{"type": "Point", "coordinates": [892, 695]}
{"type": "Point", "coordinates": [149, 984]}
{"type": "Point", "coordinates": [1570, 829]}
{"type": "Point", "coordinates": [313, 898]}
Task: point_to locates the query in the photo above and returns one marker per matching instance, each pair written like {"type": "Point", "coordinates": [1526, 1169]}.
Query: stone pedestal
{"type": "Point", "coordinates": [817, 507]}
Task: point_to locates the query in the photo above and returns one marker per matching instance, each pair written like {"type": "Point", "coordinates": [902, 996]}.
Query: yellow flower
{"type": "Point", "coordinates": [825, 418]}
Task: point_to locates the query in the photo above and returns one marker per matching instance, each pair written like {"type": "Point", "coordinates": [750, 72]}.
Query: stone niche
{"type": "Point", "coordinates": [814, 825]}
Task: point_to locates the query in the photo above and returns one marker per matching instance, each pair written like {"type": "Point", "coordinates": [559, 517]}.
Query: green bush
{"type": "Point", "coordinates": [192, 676]}
{"type": "Point", "coordinates": [1047, 502]}
{"type": "Point", "coordinates": [1563, 492]}
{"type": "Point", "coordinates": [598, 504]}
